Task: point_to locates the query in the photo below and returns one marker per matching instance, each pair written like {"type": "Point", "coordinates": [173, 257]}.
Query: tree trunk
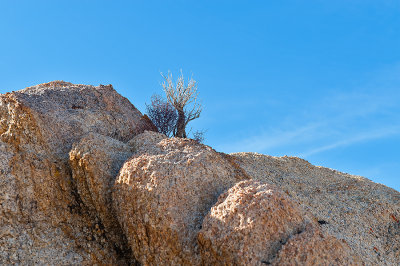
{"type": "Point", "coordinates": [181, 125]}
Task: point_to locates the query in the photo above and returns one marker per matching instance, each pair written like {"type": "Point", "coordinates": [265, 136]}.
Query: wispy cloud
{"type": "Point", "coordinates": [340, 119]}
{"type": "Point", "coordinates": [355, 139]}
{"type": "Point", "coordinates": [268, 140]}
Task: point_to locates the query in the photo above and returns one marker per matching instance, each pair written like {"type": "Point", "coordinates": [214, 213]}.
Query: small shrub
{"type": "Point", "coordinates": [198, 136]}
{"type": "Point", "coordinates": [162, 114]}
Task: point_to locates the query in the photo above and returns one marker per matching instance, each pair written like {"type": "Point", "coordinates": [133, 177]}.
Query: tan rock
{"type": "Point", "coordinates": [61, 113]}
{"type": "Point", "coordinates": [95, 162]}
{"type": "Point", "coordinates": [252, 221]}
{"type": "Point", "coordinates": [146, 141]}
{"type": "Point", "coordinates": [312, 247]}
{"type": "Point", "coordinates": [362, 213]}
{"type": "Point", "coordinates": [42, 218]}
{"type": "Point", "coordinates": [163, 193]}
{"type": "Point", "coordinates": [248, 224]}
{"type": "Point", "coordinates": [62, 207]}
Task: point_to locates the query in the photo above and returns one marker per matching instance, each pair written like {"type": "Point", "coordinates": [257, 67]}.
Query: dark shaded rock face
{"type": "Point", "coordinates": [95, 162]}
{"type": "Point", "coordinates": [84, 180]}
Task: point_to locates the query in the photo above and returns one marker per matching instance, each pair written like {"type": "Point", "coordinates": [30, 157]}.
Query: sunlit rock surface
{"type": "Point", "coordinates": [253, 223]}
{"type": "Point", "coordinates": [163, 193]}
{"type": "Point", "coordinates": [352, 208]}
{"type": "Point", "coordinates": [42, 217]}
{"type": "Point", "coordinates": [84, 180]}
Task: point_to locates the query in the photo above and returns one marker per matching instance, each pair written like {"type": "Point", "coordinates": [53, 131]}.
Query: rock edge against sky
{"type": "Point", "coordinates": [85, 180]}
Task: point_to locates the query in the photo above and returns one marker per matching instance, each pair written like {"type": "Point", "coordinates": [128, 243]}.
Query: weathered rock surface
{"type": "Point", "coordinates": [65, 200]}
{"type": "Point", "coordinates": [248, 225]}
{"type": "Point", "coordinates": [42, 218]}
{"type": "Point", "coordinates": [352, 208]}
{"type": "Point", "coordinates": [312, 247]}
{"type": "Point", "coordinates": [95, 162]}
{"type": "Point", "coordinates": [252, 221]}
{"type": "Point", "coordinates": [163, 193]}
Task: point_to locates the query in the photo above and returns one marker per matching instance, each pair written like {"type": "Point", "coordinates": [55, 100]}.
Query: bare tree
{"type": "Point", "coordinates": [162, 114]}
{"type": "Point", "coordinates": [184, 98]}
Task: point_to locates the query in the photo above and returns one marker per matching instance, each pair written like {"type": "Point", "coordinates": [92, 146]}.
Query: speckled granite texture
{"type": "Point", "coordinates": [352, 208]}
{"type": "Point", "coordinates": [42, 217]}
{"type": "Point", "coordinates": [84, 180]}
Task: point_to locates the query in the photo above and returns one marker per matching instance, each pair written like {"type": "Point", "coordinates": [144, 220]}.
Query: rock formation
{"type": "Point", "coordinates": [248, 225]}
{"type": "Point", "coordinates": [352, 208]}
{"type": "Point", "coordinates": [84, 181]}
{"type": "Point", "coordinates": [95, 162]}
{"type": "Point", "coordinates": [42, 217]}
{"type": "Point", "coordinates": [163, 193]}
{"type": "Point", "coordinates": [313, 247]}
{"type": "Point", "coordinates": [254, 223]}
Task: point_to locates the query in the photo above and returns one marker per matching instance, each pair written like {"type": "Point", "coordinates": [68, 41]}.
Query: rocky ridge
{"type": "Point", "coordinates": [352, 208]}
{"type": "Point", "coordinates": [83, 182]}
{"type": "Point", "coordinates": [43, 219]}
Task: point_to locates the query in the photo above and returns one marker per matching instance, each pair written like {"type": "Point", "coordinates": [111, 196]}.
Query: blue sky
{"type": "Point", "coordinates": [315, 79]}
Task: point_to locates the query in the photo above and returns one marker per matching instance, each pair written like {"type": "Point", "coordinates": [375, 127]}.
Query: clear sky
{"type": "Point", "coordinates": [314, 79]}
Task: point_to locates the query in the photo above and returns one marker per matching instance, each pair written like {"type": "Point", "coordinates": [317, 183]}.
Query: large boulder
{"type": "Point", "coordinates": [42, 217]}
{"type": "Point", "coordinates": [362, 213]}
{"type": "Point", "coordinates": [252, 222]}
{"type": "Point", "coordinates": [163, 193]}
{"type": "Point", "coordinates": [64, 198]}
{"type": "Point", "coordinates": [60, 113]}
{"type": "Point", "coordinates": [95, 162]}
{"type": "Point", "coordinates": [313, 247]}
